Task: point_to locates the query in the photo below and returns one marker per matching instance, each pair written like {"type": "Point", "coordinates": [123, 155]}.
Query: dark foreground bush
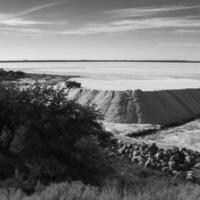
{"type": "Point", "coordinates": [11, 75]}
{"type": "Point", "coordinates": [48, 138]}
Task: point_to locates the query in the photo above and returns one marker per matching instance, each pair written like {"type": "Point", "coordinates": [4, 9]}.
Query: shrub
{"type": "Point", "coordinates": [11, 75]}
{"type": "Point", "coordinates": [45, 136]}
{"type": "Point", "coordinates": [72, 84]}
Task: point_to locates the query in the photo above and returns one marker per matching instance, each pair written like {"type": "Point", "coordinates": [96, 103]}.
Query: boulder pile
{"type": "Point", "coordinates": [173, 161]}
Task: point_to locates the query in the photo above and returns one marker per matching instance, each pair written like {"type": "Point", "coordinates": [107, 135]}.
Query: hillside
{"type": "Point", "coordinates": [148, 107]}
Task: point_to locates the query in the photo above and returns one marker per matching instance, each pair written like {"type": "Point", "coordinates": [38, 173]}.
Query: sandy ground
{"type": "Point", "coordinates": [187, 135]}
{"type": "Point", "coordinates": [126, 129]}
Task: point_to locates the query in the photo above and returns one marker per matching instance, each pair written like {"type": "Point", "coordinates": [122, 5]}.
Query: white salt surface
{"type": "Point", "coordinates": [121, 75]}
{"type": "Point", "coordinates": [145, 85]}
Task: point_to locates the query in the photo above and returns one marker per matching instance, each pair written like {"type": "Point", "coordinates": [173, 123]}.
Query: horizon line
{"type": "Point", "coordinates": [100, 60]}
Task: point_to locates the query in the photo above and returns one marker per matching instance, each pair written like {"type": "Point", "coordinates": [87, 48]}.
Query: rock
{"type": "Point", "coordinates": [172, 161]}
{"type": "Point", "coordinates": [195, 172]}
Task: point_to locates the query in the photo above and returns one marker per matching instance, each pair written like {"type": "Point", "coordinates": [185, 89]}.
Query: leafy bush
{"type": "Point", "coordinates": [11, 75]}
{"type": "Point", "coordinates": [49, 138]}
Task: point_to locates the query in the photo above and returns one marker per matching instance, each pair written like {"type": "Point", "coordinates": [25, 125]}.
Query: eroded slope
{"type": "Point", "coordinates": [148, 107]}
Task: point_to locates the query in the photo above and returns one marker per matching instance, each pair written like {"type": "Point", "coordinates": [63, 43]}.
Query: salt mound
{"type": "Point", "coordinates": [144, 107]}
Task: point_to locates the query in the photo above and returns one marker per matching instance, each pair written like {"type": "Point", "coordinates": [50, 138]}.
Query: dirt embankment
{"type": "Point", "coordinates": [147, 107]}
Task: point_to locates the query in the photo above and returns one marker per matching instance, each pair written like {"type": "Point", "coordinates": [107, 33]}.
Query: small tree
{"type": "Point", "coordinates": [45, 132]}
{"type": "Point", "coordinates": [11, 112]}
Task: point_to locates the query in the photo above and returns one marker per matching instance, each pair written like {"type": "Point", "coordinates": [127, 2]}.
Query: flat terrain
{"type": "Point", "coordinates": [120, 75]}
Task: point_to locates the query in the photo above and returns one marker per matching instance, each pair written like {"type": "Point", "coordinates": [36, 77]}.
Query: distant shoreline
{"type": "Point", "coordinates": [144, 61]}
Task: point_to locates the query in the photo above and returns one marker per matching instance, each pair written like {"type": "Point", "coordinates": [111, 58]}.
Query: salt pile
{"type": "Point", "coordinates": [143, 107]}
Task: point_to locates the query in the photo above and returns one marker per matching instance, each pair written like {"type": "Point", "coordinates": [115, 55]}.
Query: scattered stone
{"type": "Point", "coordinates": [182, 164]}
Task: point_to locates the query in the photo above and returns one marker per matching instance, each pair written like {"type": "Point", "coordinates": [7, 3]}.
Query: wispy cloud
{"type": "Point", "coordinates": [23, 30]}
{"type": "Point", "coordinates": [25, 22]}
{"type": "Point", "coordinates": [180, 44]}
{"type": "Point", "coordinates": [38, 8]}
{"type": "Point", "coordinates": [112, 21]}
{"type": "Point", "coordinates": [186, 31]}
{"type": "Point", "coordinates": [135, 24]}
{"type": "Point", "coordinates": [141, 18]}
{"type": "Point", "coordinates": [20, 19]}
{"type": "Point", "coordinates": [145, 11]}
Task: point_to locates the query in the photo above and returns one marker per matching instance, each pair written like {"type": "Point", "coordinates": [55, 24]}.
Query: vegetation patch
{"type": "Point", "coordinates": [44, 137]}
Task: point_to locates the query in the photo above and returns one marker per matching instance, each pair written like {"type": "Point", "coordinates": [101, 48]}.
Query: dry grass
{"type": "Point", "coordinates": [158, 190]}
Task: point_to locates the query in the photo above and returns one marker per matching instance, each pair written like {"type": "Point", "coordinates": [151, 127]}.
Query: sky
{"type": "Point", "coordinates": [100, 29]}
